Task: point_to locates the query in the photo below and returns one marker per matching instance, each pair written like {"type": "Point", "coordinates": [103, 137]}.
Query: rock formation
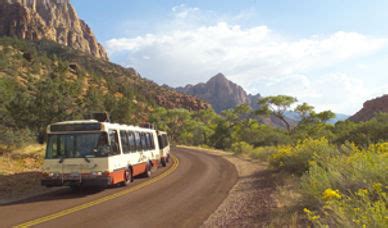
{"type": "Point", "coordinates": [371, 108]}
{"type": "Point", "coordinates": [54, 20]}
{"type": "Point", "coordinates": [221, 93]}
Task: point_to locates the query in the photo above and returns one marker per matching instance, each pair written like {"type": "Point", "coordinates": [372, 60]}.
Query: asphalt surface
{"type": "Point", "coordinates": [185, 198]}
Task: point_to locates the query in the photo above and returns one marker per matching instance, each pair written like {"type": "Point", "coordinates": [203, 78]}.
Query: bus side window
{"type": "Point", "coordinates": [114, 141]}
{"type": "Point", "coordinates": [147, 140]}
{"type": "Point", "coordinates": [160, 142]}
{"type": "Point", "coordinates": [143, 142]}
{"type": "Point", "coordinates": [151, 137]}
{"type": "Point", "coordinates": [137, 140]}
{"type": "Point", "coordinates": [124, 142]}
{"type": "Point", "coordinates": [131, 141]}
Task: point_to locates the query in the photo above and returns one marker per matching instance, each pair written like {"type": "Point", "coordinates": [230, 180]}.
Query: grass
{"type": "Point", "coordinates": [24, 159]}
{"type": "Point", "coordinates": [20, 172]}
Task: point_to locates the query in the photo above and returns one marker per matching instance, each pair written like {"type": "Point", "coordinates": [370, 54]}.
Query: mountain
{"type": "Point", "coordinates": [221, 93]}
{"type": "Point", "coordinates": [54, 20]}
{"type": "Point", "coordinates": [53, 69]}
{"type": "Point", "coordinates": [371, 108]}
{"type": "Point", "coordinates": [224, 94]}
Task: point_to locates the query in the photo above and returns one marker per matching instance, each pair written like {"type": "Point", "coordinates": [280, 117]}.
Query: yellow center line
{"type": "Point", "coordinates": [100, 200]}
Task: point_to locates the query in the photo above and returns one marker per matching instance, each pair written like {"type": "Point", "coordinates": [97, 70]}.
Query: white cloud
{"type": "Point", "coordinates": [256, 57]}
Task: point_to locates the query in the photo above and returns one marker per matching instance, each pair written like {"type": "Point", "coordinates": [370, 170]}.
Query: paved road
{"type": "Point", "coordinates": [185, 198]}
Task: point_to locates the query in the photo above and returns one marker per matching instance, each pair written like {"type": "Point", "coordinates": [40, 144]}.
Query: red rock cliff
{"type": "Point", "coordinates": [371, 108]}
{"type": "Point", "coordinates": [54, 20]}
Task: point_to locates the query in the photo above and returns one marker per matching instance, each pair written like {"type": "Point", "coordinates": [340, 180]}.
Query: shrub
{"type": "Point", "coordinates": [242, 148]}
{"type": "Point", "coordinates": [12, 138]}
{"type": "Point", "coordinates": [348, 189]}
{"type": "Point", "coordinates": [295, 159]}
{"type": "Point", "coordinates": [253, 152]}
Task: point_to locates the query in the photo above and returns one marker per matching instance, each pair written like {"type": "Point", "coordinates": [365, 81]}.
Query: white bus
{"type": "Point", "coordinates": [93, 153]}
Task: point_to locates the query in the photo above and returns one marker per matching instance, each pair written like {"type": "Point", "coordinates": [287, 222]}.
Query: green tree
{"type": "Point", "coordinates": [305, 110]}
{"type": "Point", "coordinates": [277, 106]}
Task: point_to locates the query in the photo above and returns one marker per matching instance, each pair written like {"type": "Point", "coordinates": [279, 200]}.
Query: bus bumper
{"type": "Point", "coordinates": [100, 181]}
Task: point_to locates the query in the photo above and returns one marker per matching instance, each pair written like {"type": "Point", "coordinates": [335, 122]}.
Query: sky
{"type": "Point", "coordinates": [332, 54]}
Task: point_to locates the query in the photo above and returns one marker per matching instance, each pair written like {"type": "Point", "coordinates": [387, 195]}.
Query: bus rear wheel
{"type": "Point", "coordinates": [168, 158]}
{"type": "Point", "coordinates": [127, 177]}
{"type": "Point", "coordinates": [164, 162]}
{"type": "Point", "coordinates": [148, 171]}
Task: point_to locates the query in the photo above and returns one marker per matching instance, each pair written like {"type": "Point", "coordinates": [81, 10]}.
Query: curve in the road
{"type": "Point", "coordinates": [185, 197]}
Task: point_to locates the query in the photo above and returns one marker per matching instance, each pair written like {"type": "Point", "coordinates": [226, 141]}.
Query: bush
{"type": "Point", "coordinates": [348, 189]}
{"type": "Point", "coordinates": [255, 153]}
{"type": "Point", "coordinates": [295, 159]}
{"type": "Point", "coordinates": [241, 148]}
{"type": "Point", "coordinates": [12, 138]}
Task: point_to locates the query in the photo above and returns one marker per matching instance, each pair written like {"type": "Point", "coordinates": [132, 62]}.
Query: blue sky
{"type": "Point", "coordinates": [332, 54]}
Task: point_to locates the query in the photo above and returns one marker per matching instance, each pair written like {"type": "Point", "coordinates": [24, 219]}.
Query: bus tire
{"type": "Point", "coordinates": [163, 161]}
{"type": "Point", "coordinates": [148, 171]}
{"type": "Point", "coordinates": [127, 177]}
{"type": "Point", "coordinates": [168, 158]}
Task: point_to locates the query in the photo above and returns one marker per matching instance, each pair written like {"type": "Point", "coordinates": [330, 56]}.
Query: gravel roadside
{"type": "Point", "coordinates": [251, 200]}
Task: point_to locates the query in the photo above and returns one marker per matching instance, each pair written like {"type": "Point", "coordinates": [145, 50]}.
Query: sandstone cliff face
{"type": "Point", "coordinates": [221, 93]}
{"type": "Point", "coordinates": [371, 108]}
{"type": "Point", "coordinates": [54, 20]}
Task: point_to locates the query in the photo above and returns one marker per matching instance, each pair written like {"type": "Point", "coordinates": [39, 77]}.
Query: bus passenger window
{"type": "Point", "coordinates": [147, 141]}
{"type": "Point", "coordinates": [160, 141]}
{"type": "Point", "coordinates": [137, 141]}
{"type": "Point", "coordinates": [151, 137]}
{"type": "Point", "coordinates": [131, 141]}
{"type": "Point", "coordinates": [114, 142]}
{"type": "Point", "coordinates": [124, 143]}
{"type": "Point", "coordinates": [143, 142]}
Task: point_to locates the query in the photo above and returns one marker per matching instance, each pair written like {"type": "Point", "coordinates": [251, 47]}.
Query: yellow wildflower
{"type": "Point", "coordinates": [377, 187]}
{"type": "Point", "coordinates": [311, 215]}
{"type": "Point", "coordinates": [329, 194]}
{"type": "Point", "coordinates": [362, 192]}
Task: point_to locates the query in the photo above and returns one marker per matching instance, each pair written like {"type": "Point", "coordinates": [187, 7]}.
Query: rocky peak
{"type": "Point", "coordinates": [220, 78]}
{"type": "Point", "coordinates": [220, 92]}
{"type": "Point", "coordinates": [54, 20]}
{"type": "Point", "coordinates": [371, 108]}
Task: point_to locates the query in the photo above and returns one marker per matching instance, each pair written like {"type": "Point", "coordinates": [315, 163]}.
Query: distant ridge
{"type": "Point", "coordinates": [371, 108]}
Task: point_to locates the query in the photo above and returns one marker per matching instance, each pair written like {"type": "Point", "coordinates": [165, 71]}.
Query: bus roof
{"type": "Point", "coordinates": [105, 125]}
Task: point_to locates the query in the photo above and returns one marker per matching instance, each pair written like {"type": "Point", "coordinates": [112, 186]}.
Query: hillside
{"type": "Point", "coordinates": [52, 68]}
{"type": "Point", "coordinates": [42, 82]}
{"type": "Point", "coordinates": [221, 93]}
{"type": "Point", "coordinates": [371, 108]}
{"type": "Point", "coordinates": [48, 20]}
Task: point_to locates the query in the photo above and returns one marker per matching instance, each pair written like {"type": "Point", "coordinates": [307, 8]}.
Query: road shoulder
{"type": "Point", "coordinates": [251, 200]}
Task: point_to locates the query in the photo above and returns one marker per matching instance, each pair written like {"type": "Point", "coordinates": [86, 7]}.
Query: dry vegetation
{"type": "Point", "coordinates": [20, 172]}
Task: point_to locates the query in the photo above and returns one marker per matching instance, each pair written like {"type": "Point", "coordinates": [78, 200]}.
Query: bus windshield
{"type": "Point", "coordinates": [78, 145]}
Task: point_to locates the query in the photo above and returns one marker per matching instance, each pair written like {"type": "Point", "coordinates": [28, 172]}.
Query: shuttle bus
{"type": "Point", "coordinates": [94, 153]}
